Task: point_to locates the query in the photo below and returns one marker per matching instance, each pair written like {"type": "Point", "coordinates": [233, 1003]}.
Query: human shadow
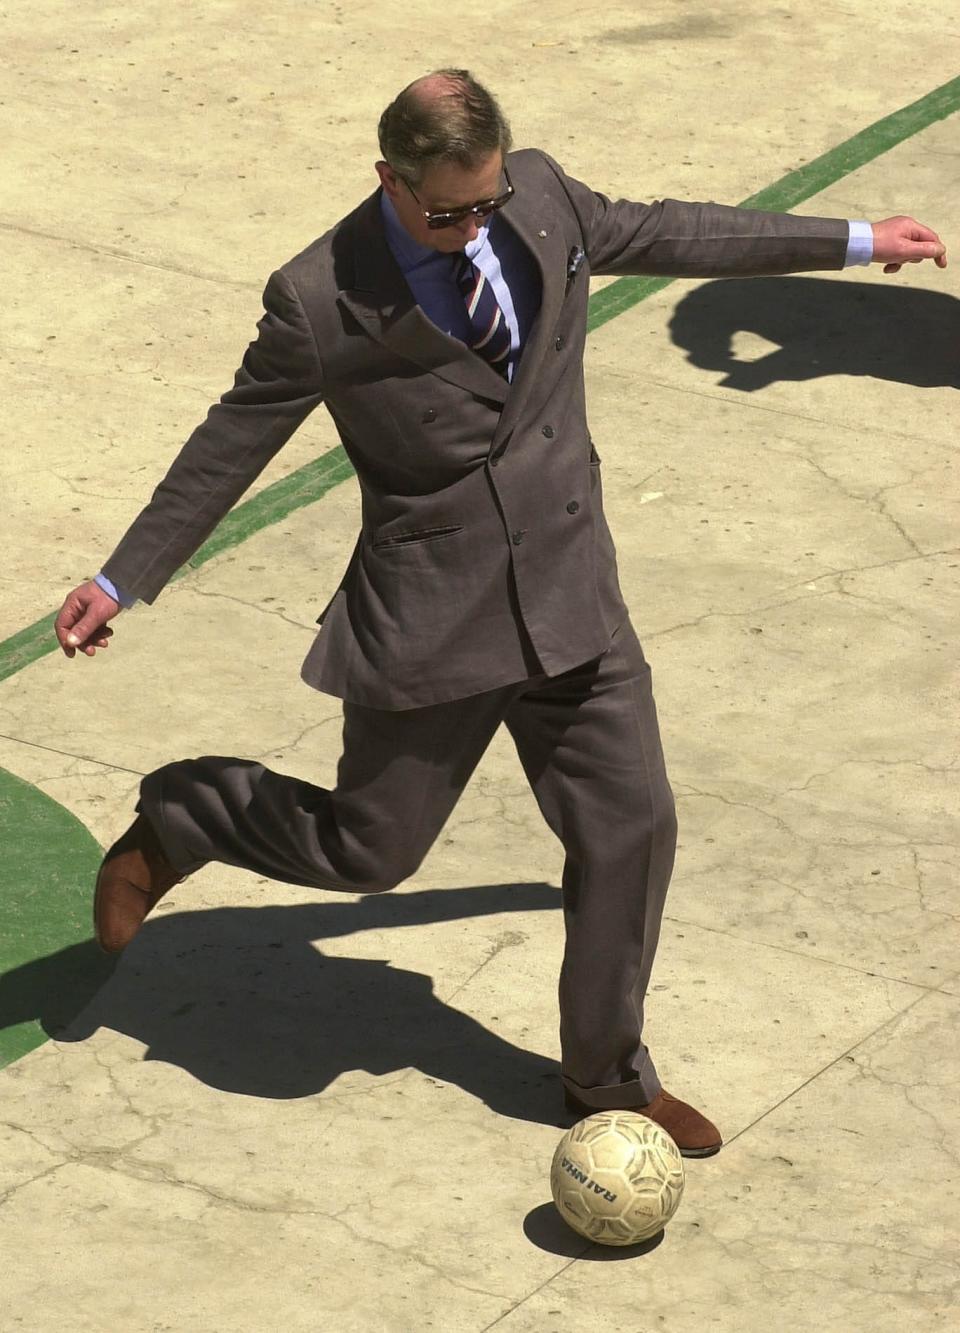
{"type": "Point", "coordinates": [821, 327]}
{"type": "Point", "coordinates": [244, 1000]}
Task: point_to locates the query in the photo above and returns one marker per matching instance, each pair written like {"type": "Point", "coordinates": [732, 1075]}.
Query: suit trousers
{"type": "Point", "coordinates": [590, 747]}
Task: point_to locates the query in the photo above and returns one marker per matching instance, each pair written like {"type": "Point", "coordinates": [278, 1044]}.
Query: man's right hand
{"type": "Point", "coordinates": [82, 622]}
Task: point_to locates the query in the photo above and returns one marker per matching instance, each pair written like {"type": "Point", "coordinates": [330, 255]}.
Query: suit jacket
{"type": "Point", "coordinates": [484, 556]}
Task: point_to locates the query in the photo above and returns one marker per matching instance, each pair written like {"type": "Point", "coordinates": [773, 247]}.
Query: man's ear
{"type": "Point", "coordinates": [388, 179]}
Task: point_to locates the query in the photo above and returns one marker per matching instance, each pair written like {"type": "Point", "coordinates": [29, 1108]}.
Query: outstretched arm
{"type": "Point", "coordinates": [279, 383]}
{"type": "Point", "coordinates": [672, 238]}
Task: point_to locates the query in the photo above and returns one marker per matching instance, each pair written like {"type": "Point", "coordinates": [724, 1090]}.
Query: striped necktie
{"type": "Point", "coordinates": [489, 331]}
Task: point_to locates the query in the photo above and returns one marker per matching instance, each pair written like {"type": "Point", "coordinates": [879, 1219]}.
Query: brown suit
{"type": "Point", "coordinates": [482, 589]}
{"type": "Point", "coordinates": [468, 546]}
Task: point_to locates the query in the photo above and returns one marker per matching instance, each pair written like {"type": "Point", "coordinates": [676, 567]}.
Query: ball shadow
{"type": "Point", "coordinates": [544, 1227]}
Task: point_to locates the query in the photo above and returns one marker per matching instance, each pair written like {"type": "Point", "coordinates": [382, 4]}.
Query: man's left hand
{"type": "Point", "coordinates": [903, 240]}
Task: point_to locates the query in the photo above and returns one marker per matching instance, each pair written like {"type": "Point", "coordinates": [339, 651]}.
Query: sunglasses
{"type": "Point", "coordinates": [483, 208]}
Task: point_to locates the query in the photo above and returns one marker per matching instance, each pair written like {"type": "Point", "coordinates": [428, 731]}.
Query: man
{"type": "Point", "coordinates": [443, 324]}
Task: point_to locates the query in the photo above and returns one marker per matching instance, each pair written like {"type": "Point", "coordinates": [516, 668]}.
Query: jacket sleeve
{"type": "Point", "coordinates": [686, 240]}
{"type": "Point", "coordinates": [279, 383]}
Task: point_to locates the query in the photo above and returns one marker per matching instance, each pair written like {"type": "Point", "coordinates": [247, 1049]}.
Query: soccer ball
{"type": "Point", "coordinates": [617, 1177]}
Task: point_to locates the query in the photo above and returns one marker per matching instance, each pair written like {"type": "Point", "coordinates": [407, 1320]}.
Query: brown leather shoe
{"type": "Point", "coordinates": [133, 877]}
{"type": "Point", "coordinates": [692, 1132]}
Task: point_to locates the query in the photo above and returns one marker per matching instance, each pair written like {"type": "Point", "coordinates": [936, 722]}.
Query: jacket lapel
{"type": "Point", "coordinates": [378, 296]}
{"type": "Point", "coordinates": [381, 300]}
{"type": "Point", "coordinates": [536, 223]}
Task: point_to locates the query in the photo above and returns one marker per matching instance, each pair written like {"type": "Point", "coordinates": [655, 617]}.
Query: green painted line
{"type": "Point", "coordinates": [309, 483]}
{"type": "Point", "coordinates": [49, 967]}
{"type": "Point", "coordinates": [27, 645]}
{"type": "Point", "coordinates": [810, 179]}
{"type": "Point", "coordinates": [619, 296]}
{"type": "Point", "coordinates": [312, 482]}
{"type": "Point", "coordinates": [874, 141]}
{"type": "Point", "coordinates": [273, 503]}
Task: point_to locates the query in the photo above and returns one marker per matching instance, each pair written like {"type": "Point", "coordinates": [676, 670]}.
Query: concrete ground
{"type": "Point", "coordinates": [302, 1111]}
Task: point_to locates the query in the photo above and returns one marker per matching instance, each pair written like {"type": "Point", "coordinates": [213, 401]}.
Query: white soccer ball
{"type": "Point", "coordinates": [617, 1177]}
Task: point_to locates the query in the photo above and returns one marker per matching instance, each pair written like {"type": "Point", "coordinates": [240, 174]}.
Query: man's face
{"type": "Point", "coordinates": [441, 189]}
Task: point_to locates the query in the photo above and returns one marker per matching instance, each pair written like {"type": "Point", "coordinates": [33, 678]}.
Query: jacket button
{"type": "Point", "coordinates": [559, 342]}
{"type": "Point", "coordinates": [517, 537]}
{"type": "Point", "coordinates": [548, 432]}
{"type": "Point", "coordinates": [573, 507]}
{"type": "Point", "coordinates": [429, 415]}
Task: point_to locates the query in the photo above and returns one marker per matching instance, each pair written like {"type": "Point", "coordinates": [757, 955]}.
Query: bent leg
{"type": "Point", "coordinates": [590, 746]}
{"type": "Point", "coordinates": [398, 779]}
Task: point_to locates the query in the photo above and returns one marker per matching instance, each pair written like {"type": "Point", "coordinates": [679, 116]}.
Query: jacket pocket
{"type": "Point", "coordinates": [416, 536]}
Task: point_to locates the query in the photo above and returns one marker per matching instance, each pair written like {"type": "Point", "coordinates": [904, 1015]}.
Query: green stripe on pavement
{"type": "Point", "coordinates": [303, 487]}
{"type": "Point", "coordinates": [810, 179]}
{"type": "Point", "coordinates": [50, 968]}
{"type": "Point", "coordinates": [273, 503]}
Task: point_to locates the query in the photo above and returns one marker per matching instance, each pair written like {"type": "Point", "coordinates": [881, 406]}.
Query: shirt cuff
{"type": "Point", "coordinates": [113, 591]}
{"type": "Point", "coordinates": [859, 244]}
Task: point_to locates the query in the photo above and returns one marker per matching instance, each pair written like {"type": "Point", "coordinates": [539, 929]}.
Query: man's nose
{"type": "Point", "coordinates": [468, 229]}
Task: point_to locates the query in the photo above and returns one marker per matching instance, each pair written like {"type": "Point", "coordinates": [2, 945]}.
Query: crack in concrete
{"type": "Point", "coordinates": [252, 606]}
{"type": "Point", "coordinates": [644, 481]}
{"type": "Point", "coordinates": [504, 813]}
{"type": "Point", "coordinates": [126, 257]}
{"type": "Point", "coordinates": [505, 941]}
{"type": "Point", "coordinates": [742, 805]}
{"type": "Point", "coordinates": [330, 1099]}
{"type": "Point", "coordinates": [806, 956]}
{"type": "Point", "coordinates": [847, 1055]}
{"type": "Point", "coordinates": [160, 1174]}
{"type": "Point", "coordinates": [867, 763]}
{"type": "Point", "coordinates": [28, 1133]}
{"type": "Point", "coordinates": [8, 1194]}
{"type": "Point", "coordinates": [817, 902]}
{"type": "Point", "coordinates": [285, 746]}
{"type": "Point", "coordinates": [939, 1133]}
{"type": "Point", "coordinates": [819, 840]}
{"type": "Point", "coordinates": [874, 501]}
{"type": "Point", "coordinates": [76, 490]}
{"type": "Point", "coordinates": [922, 887]}
{"type": "Point", "coordinates": [69, 754]}
{"type": "Point", "coordinates": [169, 203]}
{"type": "Point", "coordinates": [748, 1245]}
{"type": "Point", "coordinates": [798, 453]}
{"type": "Point", "coordinates": [588, 1245]}
{"type": "Point", "coordinates": [838, 574]}
{"type": "Point", "coordinates": [738, 615]}
{"type": "Point", "coordinates": [893, 611]}
{"type": "Point", "coordinates": [118, 1161]}
{"type": "Point", "coordinates": [877, 429]}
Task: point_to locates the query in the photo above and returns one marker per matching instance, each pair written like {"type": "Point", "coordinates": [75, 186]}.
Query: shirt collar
{"type": "Point", "coordinates": [410, 254]}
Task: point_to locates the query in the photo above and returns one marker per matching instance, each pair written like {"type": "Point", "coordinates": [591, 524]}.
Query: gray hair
{"type": "Point", "coordinates": [462, 124]}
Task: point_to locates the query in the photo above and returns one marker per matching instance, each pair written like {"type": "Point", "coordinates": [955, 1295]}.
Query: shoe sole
{"type": "Point", "coordinates": [700, 1152]}
{"type": "Point", "coordinates": [96, 917]}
